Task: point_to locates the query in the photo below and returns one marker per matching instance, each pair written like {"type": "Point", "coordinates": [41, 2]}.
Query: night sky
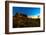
{"type": "Point", "coordinates": [29, 11]}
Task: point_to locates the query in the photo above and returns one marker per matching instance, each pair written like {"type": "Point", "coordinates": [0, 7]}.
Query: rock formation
{"type": "Point", "coordinates": [21, 20]}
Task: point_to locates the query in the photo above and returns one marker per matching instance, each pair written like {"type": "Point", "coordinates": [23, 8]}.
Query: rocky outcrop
{"type": "Point", "coordinates": [21, 20]}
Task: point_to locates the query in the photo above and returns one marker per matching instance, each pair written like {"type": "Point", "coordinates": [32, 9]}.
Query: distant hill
{"type": "Point", "coordinates": [33, 17]}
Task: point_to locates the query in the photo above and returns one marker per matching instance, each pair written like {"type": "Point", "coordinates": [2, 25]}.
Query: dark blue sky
{"type": "Point", "coordinates": [30, 11]}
